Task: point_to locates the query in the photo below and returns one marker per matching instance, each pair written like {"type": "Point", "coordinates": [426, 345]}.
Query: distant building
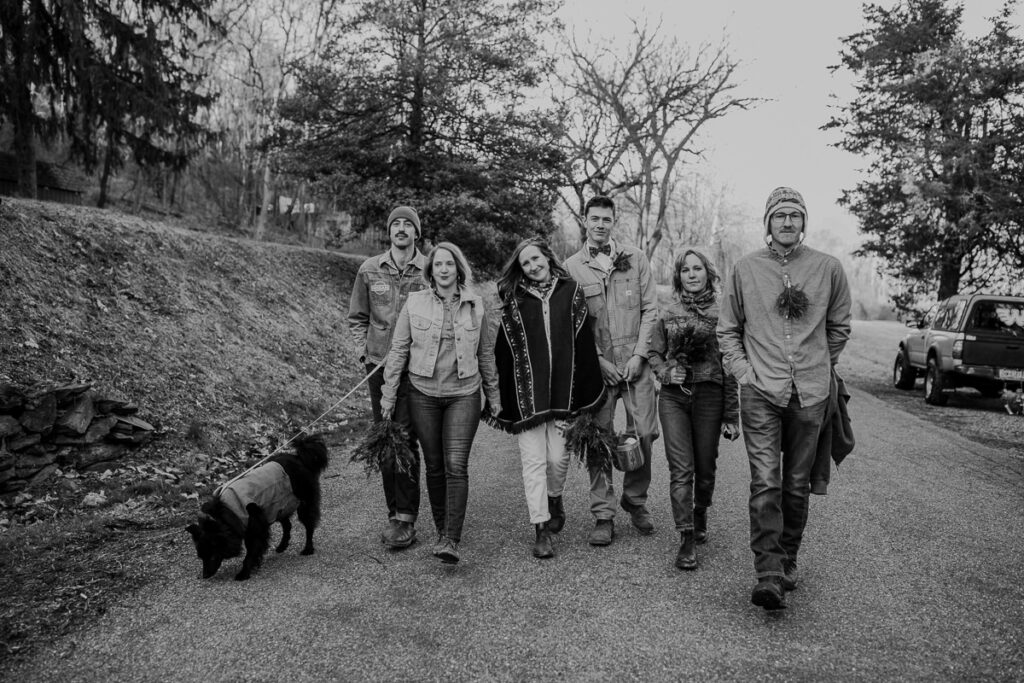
{"type": "Point", "coordinates": [53, 183]}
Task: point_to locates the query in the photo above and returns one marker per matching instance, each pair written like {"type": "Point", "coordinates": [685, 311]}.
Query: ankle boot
{"type": "Point", "coordinates": [557, 511]}
{"type": "Point", "coordinates": [542, 547]}
{"type": "Point", "coordinates": [686, 558]}
{"type": "Point", "coordinates": [700, 525]}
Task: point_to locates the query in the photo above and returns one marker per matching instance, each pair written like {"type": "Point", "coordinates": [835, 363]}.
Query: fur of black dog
{"type": "Point", "coordinates": [221, 532]}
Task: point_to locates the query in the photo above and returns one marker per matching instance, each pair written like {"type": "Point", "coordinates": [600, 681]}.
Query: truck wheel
{"type": "Point", "coordinates": [903, 376]}
{"type": "Point", "coordinates": [933, 385]}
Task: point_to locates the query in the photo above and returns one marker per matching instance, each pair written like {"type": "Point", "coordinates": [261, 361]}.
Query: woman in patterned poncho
{"type": "Point", "coordinates": [548, 372]}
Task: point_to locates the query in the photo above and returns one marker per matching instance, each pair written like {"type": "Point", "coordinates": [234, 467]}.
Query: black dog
{"type": "Point", "coordinates": [244, 509]}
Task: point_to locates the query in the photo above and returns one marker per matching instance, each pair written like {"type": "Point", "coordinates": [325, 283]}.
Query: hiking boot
{"type": "Point", "coordinates": [557, 511]}
{"type": "Point", "coordinates": [542, 547]}
{"type": "Point", "coordinates": [640, 517]}
{"type": "Point", "coordinates": [768, 593]}
{"type": "Point", "coordinates": [403, 536]}
{"type": "Point", "coordinates": [791, 575]}
{"type": "Point", "coordinates": [686, 558]}
{"type": "Point", "coordinates": [447, 550]}
{"type": "Point", "coordinates": [388, 535]}
{"type": "Point", "coordinates": [603, 533]}
{"type": "Point", "coordinates": [700, 525]}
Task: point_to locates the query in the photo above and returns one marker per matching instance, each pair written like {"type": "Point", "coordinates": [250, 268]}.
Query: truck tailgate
{"type": "Point", "coordinates": [995, 350]}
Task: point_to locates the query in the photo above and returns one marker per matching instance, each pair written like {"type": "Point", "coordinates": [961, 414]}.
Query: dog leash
{"type": "Point", "coordinates": [304, 430]}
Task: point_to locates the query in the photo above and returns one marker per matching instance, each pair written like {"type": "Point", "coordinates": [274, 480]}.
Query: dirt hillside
{"type": "Point", "coordinates": [210, 336]}
{"type": "Point", "coordinates": [228, 346]}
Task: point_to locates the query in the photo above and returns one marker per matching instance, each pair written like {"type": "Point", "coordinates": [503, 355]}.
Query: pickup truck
{"type": "Point", "coordinates": [972, 340]}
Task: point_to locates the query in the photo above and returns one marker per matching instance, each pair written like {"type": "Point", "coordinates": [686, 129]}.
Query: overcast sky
{"type": "Point", "coordinates": [785, 48]}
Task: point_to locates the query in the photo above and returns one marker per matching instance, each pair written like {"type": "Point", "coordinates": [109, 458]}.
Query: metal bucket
{"type": "Point", "coordinates": [627, 455]}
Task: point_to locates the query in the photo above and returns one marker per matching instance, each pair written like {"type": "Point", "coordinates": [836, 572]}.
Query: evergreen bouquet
{"type": "Point", "coordinates": [590, 442]}
{"type": "Point", "coordinates": [386, 443]}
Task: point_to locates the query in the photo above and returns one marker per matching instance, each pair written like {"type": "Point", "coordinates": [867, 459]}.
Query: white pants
{"type": "Point", "coordinates": [545, 464]}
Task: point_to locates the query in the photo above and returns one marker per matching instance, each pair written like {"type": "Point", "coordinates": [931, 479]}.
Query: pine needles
{"type": "Point", "coordinates": [590, 442]}
{"type": "Point", "coordinates": [792, 302]}
{"type": "Point", "coordinates": [385, 446]}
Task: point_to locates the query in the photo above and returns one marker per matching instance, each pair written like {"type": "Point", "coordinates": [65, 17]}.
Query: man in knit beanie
{"type": "Point", "coordinates": [785, 319]}
{"type": "Point", "coordinates": [380, 289]}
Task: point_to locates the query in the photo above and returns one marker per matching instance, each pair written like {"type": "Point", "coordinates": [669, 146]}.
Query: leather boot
{"type": "Point", "coordinates": [542, 547]}
{"type": "Point", "coordinates": [557, 511]}
{"type": "Point", "coordinates": [686, 558]}
{"type": "Point", "coordinates": [700, 524]}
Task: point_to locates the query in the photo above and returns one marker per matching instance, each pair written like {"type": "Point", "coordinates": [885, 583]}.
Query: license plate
{"type": "Point", "coordinates": [1015, 375]}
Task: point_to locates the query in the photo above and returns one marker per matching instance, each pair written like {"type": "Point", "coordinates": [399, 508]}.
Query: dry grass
{"type": "Point", "coordinates": [227, 345]}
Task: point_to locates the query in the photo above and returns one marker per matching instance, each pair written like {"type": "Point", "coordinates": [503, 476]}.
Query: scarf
{"type": "Point", "coordinates": [700, 301]}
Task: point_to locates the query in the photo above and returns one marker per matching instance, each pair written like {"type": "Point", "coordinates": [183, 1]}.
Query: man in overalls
{"type": "Point", "coordinates": [623, 309]}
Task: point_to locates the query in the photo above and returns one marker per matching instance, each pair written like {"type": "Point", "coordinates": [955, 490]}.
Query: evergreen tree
{"type": "Point", "coordinates": [940, 118]}
{"type": "Point", "coordinates": [111, 75]}
{"type": "Point", "coordinates": [422, 102]}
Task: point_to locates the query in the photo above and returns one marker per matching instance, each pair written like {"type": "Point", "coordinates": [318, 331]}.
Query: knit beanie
{"type": "Point", "coordinates": [783, 198]}
{"type": "Point", "coordinates": [408, 213]}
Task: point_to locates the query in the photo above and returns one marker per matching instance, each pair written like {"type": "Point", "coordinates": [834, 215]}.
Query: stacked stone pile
{"type": "Point", "coordinates": [70, 426]}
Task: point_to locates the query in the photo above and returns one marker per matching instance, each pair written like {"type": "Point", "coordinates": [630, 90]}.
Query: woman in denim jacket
{"type": "Point", "coordinates": [698, 401]}
{"type": "Point", "coordinates": [440, 340]}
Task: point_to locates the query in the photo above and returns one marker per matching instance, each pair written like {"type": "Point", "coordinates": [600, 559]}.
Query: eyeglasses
{"type": "Point", "coordinates": [780, 217]}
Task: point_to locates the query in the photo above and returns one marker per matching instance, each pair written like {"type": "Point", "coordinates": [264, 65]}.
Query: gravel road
{"type": "Point", "coordinates": [910, 571]}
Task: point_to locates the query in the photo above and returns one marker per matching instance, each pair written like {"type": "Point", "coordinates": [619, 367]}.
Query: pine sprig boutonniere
{"type": "Point", "coordinates": [792, 302]}
{"type": "Point", "coordinates": [623, 262]}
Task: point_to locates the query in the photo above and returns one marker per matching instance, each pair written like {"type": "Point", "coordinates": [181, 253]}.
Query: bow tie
{"type": "Point", "coordinates": [604, 249]}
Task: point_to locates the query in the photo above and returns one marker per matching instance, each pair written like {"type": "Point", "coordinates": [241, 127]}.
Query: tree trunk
{"type": "Point", "coordinates": [105, 175]}
{"type": "Point", "coordinates": [417, 105]}
{"type": "Point", "coordinates": [261, 215]}
{"type": "Point", "coordinates": [24, 144]}
{"type": "Point", "coordinates": [949, 276]}
{"type": "Point", "coordinates": [140, 188]}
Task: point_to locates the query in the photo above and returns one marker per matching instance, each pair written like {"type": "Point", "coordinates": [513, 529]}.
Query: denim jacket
{"type": "Point", "coordinates": [378, 294]}
{"type": "Point", "coordinates": [417, 341]}
{"type": "Point", "coordinates": [623, 303]}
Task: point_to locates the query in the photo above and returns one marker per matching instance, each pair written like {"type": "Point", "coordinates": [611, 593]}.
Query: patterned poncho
{"type": "Point", "coordinates": [540, 380]}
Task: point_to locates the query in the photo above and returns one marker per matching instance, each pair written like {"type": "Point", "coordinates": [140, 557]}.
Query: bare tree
{"type": "Point", "coordinates": [255, 68]}
{"type": "Point", "coordinates": [633, 119]}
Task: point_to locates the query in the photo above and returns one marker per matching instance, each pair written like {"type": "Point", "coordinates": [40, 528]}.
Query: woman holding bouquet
{"type": "Point", "coordinates": [548, 372]}
{"type": "Point", "coordinates": [699, 402]}
{"type": "Point", "coordinates": [440, 340]}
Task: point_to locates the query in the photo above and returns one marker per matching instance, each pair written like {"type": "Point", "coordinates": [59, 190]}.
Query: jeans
{"type": "Point", "coordinates": [545, 464]}
{"type": "Point", "coordinates": [446, 427]}
{"type": "Point", "coordinates": [401, 491]}
{"type": "Point", "coordinates": [692, 425]}
{"type": "Point", "coordinates": [781, 445]}
{"type": "Point", "coordinates": [640, 401]}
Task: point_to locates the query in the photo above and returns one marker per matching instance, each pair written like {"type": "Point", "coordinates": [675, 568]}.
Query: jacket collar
{"type": "Point", "coordinates": [418, 261]}
{"type": "Point", "coordinates": [466, 295]}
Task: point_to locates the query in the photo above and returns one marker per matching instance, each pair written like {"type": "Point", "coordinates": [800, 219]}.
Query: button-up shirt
{"type": "Point", "coordinates": [780, 355]}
